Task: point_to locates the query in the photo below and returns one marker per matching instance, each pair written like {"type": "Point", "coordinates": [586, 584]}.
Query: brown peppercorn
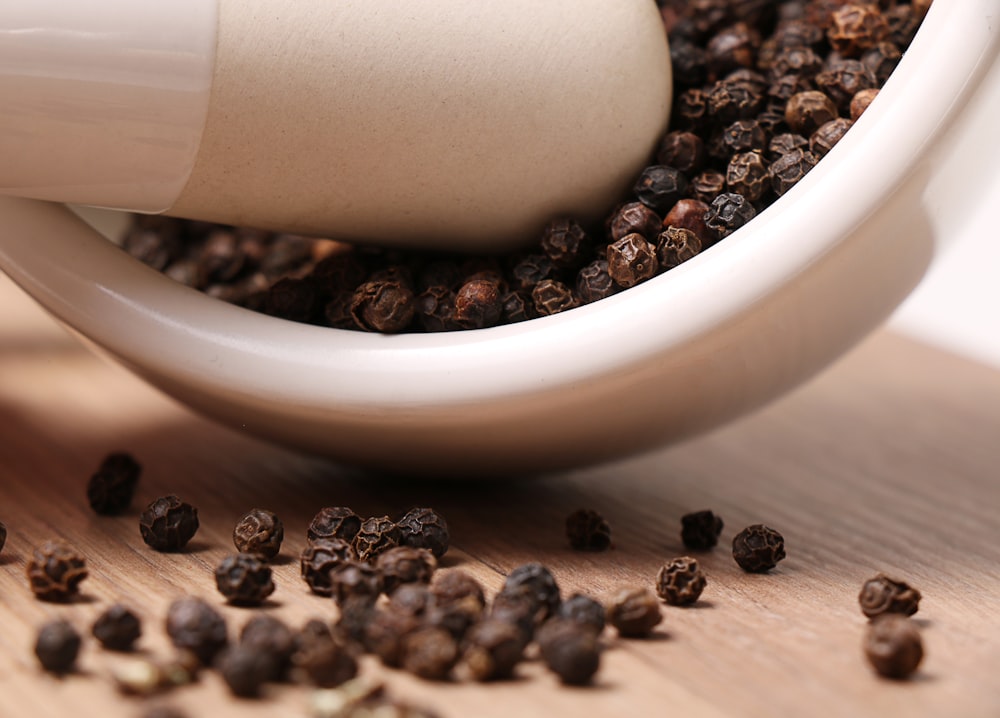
{"type": "Point", "coordinates": [117, 628]}
{"type": "Point", "coordinates": [634, 218]}
{"type": "Point", "coordinates": [355, 614]}
{"type": "Point", "coordinates": [796, 61]}
{"type": "Point", "coordinates": [377, 534]}
{"type": "Point", "coordinates": [151, 246]}
{"type": "Point", "coordinates": [405, 564]}
{"type": "Point", "coordinates": [758, 548]}
{"type": "Point", "coordinates": [244, 579]}
{"type": "Point", "coordinates": [731, 100]}
{"type": "Point", "coordinates": [881, 61]}
{"type": "Point", "coordinates": [680, 581]}
{"type": "Point", "coordinates": [57, 645]}
{"type": "Point", "coordinates": [784, 143]}
{"type": "Point", "coordinates": [540, 582]}
{"type": "Point", "coordinates": [552, 297]}
{"type": "Point", "coordinates": [453, 585]}
{"type": "Point", "coordinates": [493, 648]}
{"type": "Point", "coordinates": [583, 610]}
{"type": "Point", "coordinates": [334, 522]}
{"type": "Point", "coordinates": [519, 607]}
{"type": "Point", "coordinates": [676, 245]}
{"type": "Point", "coordinates": [435, 309]}
{"type": "Point", "coordinates": [881, 594]}
{"type": "Point", "coordinates": [827, 135]}
{"type": "Point", "coordinates": [806, 111]}
{"type": "Point", "coordinates": [518, 306]}
{"type": "Point", "coordinates": [319, 558]}
{"type": "Point", "coordinates": [220, 257]}
{"type": "Point", "coordinates": [707, 185]}
{"type": "Point", "coordinates": [747, 175]}
{"type": "Point", "coordinates": [111, 488]}
{"type": "Point", "coordinates": [194, 626]}
{"type": "Point", "coordinates": [587, 530]}
{"type": "Point", "coordinates": [385, 306]}
{"type": "Point", "coordinates": [634, 612]}
{"type": "Point", "coordinates": [745, 136]}
{"type": "Point", "coordinates": [270, 635]}
{"type": "Point", "coordinates": [168, 523]}
{"type": "Point", "coordinates": [385, 631]}
{"type": "Point", "coordinates": [860, 102]}
{"type": "Point", "coordinates": [569, 650]}
{"type": "Point", "coordinates": [55, 571]}
{"type": "Point", "coordinates": [631, 260]}
{"type": "Point", "coordinates": [259, 531]}
{"type": "Point", "coordinates": [688, 214]}
{"type": "Point", "coordinates": [893, 646]}
{"type": "Point", "coordinates": [700, 530]}
{"type": "Point", "coordinates": [429, 653]}
{"type": "Point", "coordinates": [532, 269]}
{"type": "Point", "coordinates": [682, 150]}
{"type": "Point", "coordinates": [294, 299]}
{"type": "Point", "coordinates": [855, 27]}
{"type": "Point", "coordinates": [844, 81]}
{"type": "Point", "coordinates": [477, 304]}
{"type": "Point", "coordinates": [245, 669]}
{"type": "Point", "coordinates": [564, 241]}
{"type": "Point", "coordinates": [355, 578]}
{"type": "Point", "coordinates": [322, 661]}
{"type": "Point", "coordinates": [424, 528]}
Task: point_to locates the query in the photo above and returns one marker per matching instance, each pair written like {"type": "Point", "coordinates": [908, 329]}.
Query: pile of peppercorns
{"type": "Point", "coordinates": [762, 91]}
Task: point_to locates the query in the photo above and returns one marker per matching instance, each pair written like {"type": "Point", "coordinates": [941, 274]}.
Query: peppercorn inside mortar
{"type": "Point", "coordinates": [762, 92]}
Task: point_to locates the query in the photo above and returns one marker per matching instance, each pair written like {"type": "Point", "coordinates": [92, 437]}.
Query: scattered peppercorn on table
{"type": "Point", "coordinates": [888, 463]}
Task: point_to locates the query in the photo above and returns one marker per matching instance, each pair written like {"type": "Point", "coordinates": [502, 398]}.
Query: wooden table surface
{"type": "Point", "coordinates": [888, 462]}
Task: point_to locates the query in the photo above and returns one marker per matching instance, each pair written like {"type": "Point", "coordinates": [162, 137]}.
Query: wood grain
{"type": "Point", "coordinates": [888, 462]}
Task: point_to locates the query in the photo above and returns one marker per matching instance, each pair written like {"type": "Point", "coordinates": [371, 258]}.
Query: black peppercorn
{"type": "Point", "coordinates": [731, 100]}
{"type": "Point", "coordinates": [259, 531]}
{"type": "Point", "coordinates": [745, 136]}
{"type": "Point", "coordinates": [454, 585]}
{"type": "Point", "coordinates": [117, 628]}
{"type": "Point", "coordinates": [385, 306]}
{"type": "Point", "coordinates": [881, 594]}
{"type": "Point", "coordinates": [405, 564]}
{"type": "Point", "coordinates": [532, 269]}
{"type": "Point", "coordinates": [700, 530]}
{"type": "Point", "coordinates": [435, 309]}
{"type": "Point", "coordinates": [385, 631]}
{"type": "Point", "coordinates": [841, 83]}
{"type": "Point", "coordinates": [319, 558]}
{"type": "Point", "coordinates": [786, 142]}
{"type": "Point", "coordinates": [540, 582]}
{"type": "Point", "coordinates": [244, 579]}
{"type": "Point", "coordinates": [337, 522]}
{"type": "Point", "coordinates": [569, 650]}
{"type": "Point", "coordinates": [57, 646]}
{"type": "Point", "coordinates": [583, 610]}
{"type": "Point", "coordinates": [355, 615]}
{"type": "Point", "coordinates": [659, 186]}
{"type": "Point", "coordinates": [587, 530]}
{"type": "Point", "coordinates": [855, 27]}
{"type": "Point", "coordinates": [493, 648]}
{"type": "Point", "coordinates": [3, 535]}
{"type": "Point", "coordinates": [354, 578]}
{"type": "Point", "coordinates": [682, 150]}
{"type": "Point", "coordinates": [195, 626]}
{"type": "Point", "coordinates": [787, 170]}
{"type": "Point", "coordinates": [893, 646]}
{"type": "Point", "coordinates": [634, 612]}
{"type": "Point", "coordinates": [551, 297]}
{"type": "Point", "coordinates": [594, 283]}
{"type": "Point", "coordinates": [295, 299]}
{"type": "Point", "coordinates": [747, 175]}
{"type": "Point", "coordinates": [377, 534]}
{"type": "Point", "coordinates": [429, 653]}
{"type": "Point", "coordinates": [245, 669]}
{"type": "Point", "coordinates": [758, 548]}
{"type": "Point", "coordinates": [270, 635]}
{"type": "Point", "coordinates": [55, 571]}
{"type": "Point", "coordinates": [827, 135]}
{"type": "Point", "coordinates": [728, 212]}
{"type": "Point", "coordinates": [168, 523]}
{"type": "Point", "coordinates": [564, 241]}
{"type": "Point", "coordinates": [112, 486]}
{"type": "Point", "coordinates": [631, 260]}
{"type": "Point", "coordinates": [680, 581]}
{"type": "Point", "coordinates": [706, 185]}
{"type": "Point", "coordinates": [325, 663]}
{"type": "Point", "coordinates": [518, 306]}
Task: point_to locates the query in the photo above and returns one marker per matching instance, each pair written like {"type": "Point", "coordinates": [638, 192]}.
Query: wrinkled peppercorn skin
{"type": "Point", "coordinates": [168, 524]}
{"type": "Point", "coordinates": [260, 532]}
{"type": "Point", "coordinates": [55, 571]}
{"type": "Point", "coordinates": [377, 534]}
{"type": "Point", "coordinates": [882, 594]}
{"type": "Point", "coordinates": [319, 558]}
{"type": "Point", "coordinates": [540, 584]}
{"type": "Point", "coordinates": [405, 564]}
{"type": "Point", "coordinates": [334, 522]}
{"type": "Point", "coordinates": [424, 528]}
{"type": "Point", "coordinates": [680, 581]}
{"type": "Point", "coordinates": [758, 548]}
